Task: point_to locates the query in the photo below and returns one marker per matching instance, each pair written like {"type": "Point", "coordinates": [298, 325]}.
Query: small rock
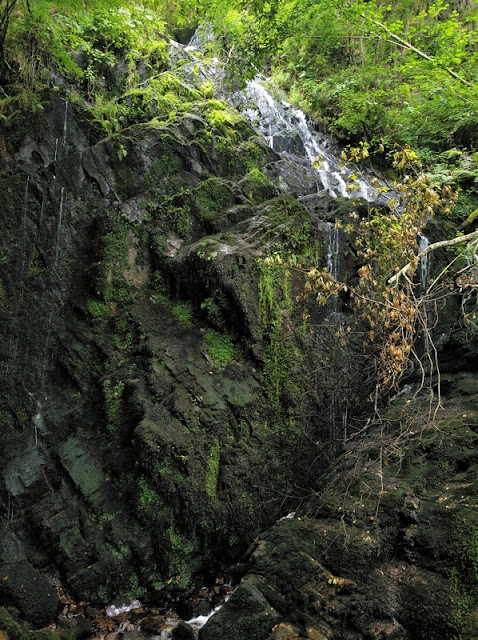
{"type": "Point", "coordinates": [77, 625]}
{"type": "Point", "coordinates": [152, 624]}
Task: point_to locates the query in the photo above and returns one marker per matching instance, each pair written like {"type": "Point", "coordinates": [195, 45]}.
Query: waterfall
{"type": "Point", "coordinates": [332, 247]}
{"type": "Point", "coordinates": [289, 130]}
{"type": "Point", "coordinates": [423, 243]}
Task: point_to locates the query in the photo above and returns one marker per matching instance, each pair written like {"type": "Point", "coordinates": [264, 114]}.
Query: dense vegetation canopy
{"type": "Point", "coordinates": [404, 73]}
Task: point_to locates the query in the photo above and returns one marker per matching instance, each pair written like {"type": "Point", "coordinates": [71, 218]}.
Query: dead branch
{"type": "Point", "coordinates": [408, 268]}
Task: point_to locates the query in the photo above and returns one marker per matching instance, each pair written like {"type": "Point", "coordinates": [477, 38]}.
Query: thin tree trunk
{"type": "Point", "coordinates": [5, 14]}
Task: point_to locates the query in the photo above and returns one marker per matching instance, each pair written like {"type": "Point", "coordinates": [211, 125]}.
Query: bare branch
{"type": "Point", "coordinates": [431, 247]}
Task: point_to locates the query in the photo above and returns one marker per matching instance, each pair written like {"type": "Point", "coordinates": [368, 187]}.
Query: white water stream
{"type": "Point", "coordinates": [332, 247]}
{"type": "Point", "coordinates": [423, 243]}
{"type": "Point", "coordinates": [170, 621]}
{"type": "Point", "coordinates": [290, 131]}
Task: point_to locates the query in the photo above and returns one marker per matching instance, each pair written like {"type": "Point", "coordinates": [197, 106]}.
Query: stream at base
{"type": "Point", "coordinates": [150, 620]}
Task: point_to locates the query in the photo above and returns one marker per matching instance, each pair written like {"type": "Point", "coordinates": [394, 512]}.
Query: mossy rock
{"type": "Point", "coordinates": [257, 187]}
{"type": "Point", "coordinates": [212, 197]}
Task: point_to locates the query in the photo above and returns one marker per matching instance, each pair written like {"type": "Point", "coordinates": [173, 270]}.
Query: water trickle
{"type": "Point", "coordinates": [423, 243]}
{"type": "Point", "coordinates": [46, 353]}
{"type": "Point", "coordinates": [471, 254]}
{"type": "Point", "coordinates": [65, 124]}
{"type": "Point", "coordinates": [24, 240]}
{"type": "Point", "coordinates": [40, 222]}
{"type": "Point", "coordinates": [58, 232]}
{"type": "Point", "coordinates": [25, 207]}
{"type": "Point", "coordinates": [332, 246]}
{"type": "Point", "coordinates": [37, 421]}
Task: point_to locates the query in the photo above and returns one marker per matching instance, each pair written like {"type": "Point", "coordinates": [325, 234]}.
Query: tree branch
{"type": "Point", "coordinates": [422, 54]}
{"type": "Point", "coordinates": [431, 247]}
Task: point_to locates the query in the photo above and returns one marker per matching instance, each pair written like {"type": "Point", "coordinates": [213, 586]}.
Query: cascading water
{"type": "Point", "coordinates": [65, 124]}
{"type": "Point", "coordinates": [289, 130]}
{"type": "Point", "coordinates": [423, 243]}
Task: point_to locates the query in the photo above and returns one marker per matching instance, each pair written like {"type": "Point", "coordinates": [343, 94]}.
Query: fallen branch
{"type": "Point", "coordinates": [408, 268]}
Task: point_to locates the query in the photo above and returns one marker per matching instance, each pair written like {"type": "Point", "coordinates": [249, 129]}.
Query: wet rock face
{"type": "Point", "coordinates": [147, 419]}
{"type": "Point", "coordinates": [372, 562]}
{"type": "Point", "coordinates": [249, 615]}
{"type": "Point", "coordinates": [161, 391]}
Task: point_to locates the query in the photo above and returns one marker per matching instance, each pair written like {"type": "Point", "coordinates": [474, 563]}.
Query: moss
{"type": "Point", "coordinates": [281, 355]}
{"type": "Point", "coordinates": [151, 505]}
{"type": "Point", "coordinates": [464, 578]}
{"type": "Point", "coordinates": [168, 161]}
{"type": "Point", "coordinates": [258, 187]}
{"type": "Point", "coordinates": [15, 631]}
{"type": "Point", "coordinates": [253, 154]}
{"type": "Point", "coordinates": [213, 196]}
{"type": "Point", "coordinates": [183, 313]}
{"type": "Point", "coordinates": [113, 395]}
{"type": "Point", "coordinates": [220, 348]}
{"type": "Point", "coordinates": [224, 120]}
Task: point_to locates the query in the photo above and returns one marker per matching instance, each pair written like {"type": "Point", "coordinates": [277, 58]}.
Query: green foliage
{"type": "Point", "coordinates": [124, 337]}
{"type": "Point", "coordinates": [365, 69]}
{"type": "Point", "coordinates": [113, 395]}
{"type": "Point", "coordinates": [220, 348]}
{"type": "Point", "coordinates": [98, 309]}
{"type": "Point", "coordinates": [183, 313]}
{"type": "Point", "coordinates": [165, 97]}
{"type": "Point", "coordinates": [216, 309]}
